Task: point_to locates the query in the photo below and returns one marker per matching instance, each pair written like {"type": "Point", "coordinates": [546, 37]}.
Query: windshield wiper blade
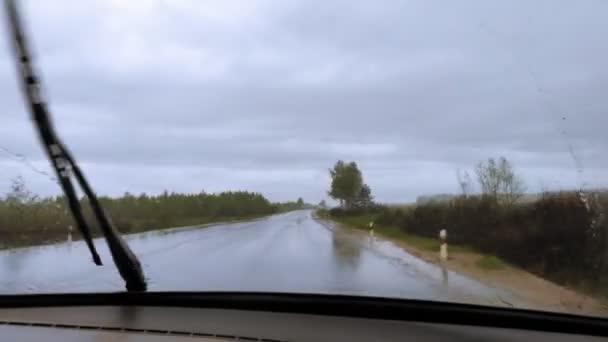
{"type": "Point", "coordinates": [64, 165]}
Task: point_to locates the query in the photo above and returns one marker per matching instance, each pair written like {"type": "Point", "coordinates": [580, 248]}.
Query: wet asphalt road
{"type": "Point", "coordinates": [290, 252]}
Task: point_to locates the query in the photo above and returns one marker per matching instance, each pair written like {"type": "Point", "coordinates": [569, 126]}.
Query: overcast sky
{"type": "Point", "coordinates": [266, 95]}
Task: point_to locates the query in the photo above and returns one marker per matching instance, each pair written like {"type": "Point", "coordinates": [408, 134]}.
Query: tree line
{"type": "Point", "coordinates": [496, 179]}
{"type": "Point", "coordinates": [27, 219]}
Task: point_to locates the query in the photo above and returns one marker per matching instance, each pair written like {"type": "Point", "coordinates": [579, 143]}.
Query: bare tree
{"type": "Point", "coordinates": [512, 186]}
{"type": "Point", "coordinates": [498, 181]}
{"type": "Point", "coordinates": [487, 176]}
{"type": "Point", "coordinates": [19, 198]}
{"type": "Point", "coordinates": [19, 194]}
{"type": "Point", "coordinates": [465, 182]}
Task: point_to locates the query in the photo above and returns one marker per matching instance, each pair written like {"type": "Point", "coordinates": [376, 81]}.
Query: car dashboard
{"type": "Point", "coordinates": [238, 317]}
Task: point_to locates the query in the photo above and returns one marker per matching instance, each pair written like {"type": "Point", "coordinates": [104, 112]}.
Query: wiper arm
{"type": "Point", "coordinates": [64, 164]}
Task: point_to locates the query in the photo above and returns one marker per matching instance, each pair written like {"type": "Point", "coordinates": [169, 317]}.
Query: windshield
{"type": "Point", "coordinates": [448, 151]}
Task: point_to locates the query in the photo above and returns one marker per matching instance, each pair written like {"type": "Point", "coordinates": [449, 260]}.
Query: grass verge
{"type": "Point", "coordinates": [424, 243]}
{"type": "Point", "coordinates": [490, 263]}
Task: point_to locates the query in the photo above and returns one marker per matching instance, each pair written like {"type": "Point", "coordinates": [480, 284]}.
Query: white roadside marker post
{"type": "Point", "coordinates": [69, 234]}
{"type": "Point", "coordinates": [443, 249]}
{"type": "Point", "coordinates": [371, 228]}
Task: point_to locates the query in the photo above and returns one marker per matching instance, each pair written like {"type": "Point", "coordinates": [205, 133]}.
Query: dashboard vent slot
{"type": "Point", "coordinates": [140, 331]}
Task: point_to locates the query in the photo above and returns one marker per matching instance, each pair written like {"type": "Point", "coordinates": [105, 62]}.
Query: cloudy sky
{"type": "Point", "coordinates": [266, 95]}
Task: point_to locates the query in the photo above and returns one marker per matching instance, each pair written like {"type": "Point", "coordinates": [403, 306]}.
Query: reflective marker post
{"type": "Point", "coordinates": [443, 249]}
{"type": "Point", "coordinates": [371, 228]}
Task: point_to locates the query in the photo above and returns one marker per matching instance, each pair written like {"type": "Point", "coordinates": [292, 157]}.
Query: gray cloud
{"type": "Point", "coordinates": [266, 95]}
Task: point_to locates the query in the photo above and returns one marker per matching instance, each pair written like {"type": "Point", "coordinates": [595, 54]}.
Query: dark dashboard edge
{"type": "Point", "coordinates": [332, 305]}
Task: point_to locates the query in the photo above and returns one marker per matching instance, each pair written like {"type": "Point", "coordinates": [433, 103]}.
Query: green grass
{"type": "Point", "coordinates": [491, 263]}
{"type": "Point", "coordinates": [362, 222]}
{"type": "Point", "coordinates": [424, 243]}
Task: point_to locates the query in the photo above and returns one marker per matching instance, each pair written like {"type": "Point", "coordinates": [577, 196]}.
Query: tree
{"type": "Point", "coordinates": [464, 182]}
{"type": "Point", "coordinates": [19, 199]}
{"type": "Point", "coordinates": [346, 183]}
{"type": "Point", "coordinates": [300, 202]}
{"type": "Point", "coordinates": [19, 193]}
{"type": "Point", "coordinates": [323, 204]}
{"type": "Point", "coordinates": [498, 181]}
{"type": "Point", "coordinates": [365, 199]}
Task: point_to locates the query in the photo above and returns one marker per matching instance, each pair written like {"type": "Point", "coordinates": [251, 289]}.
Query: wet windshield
{"type": "Point", "coordinates": [449, 151]}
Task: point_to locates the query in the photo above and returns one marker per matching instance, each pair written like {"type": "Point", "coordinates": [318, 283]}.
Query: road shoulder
{"type": "Point", "coordinates": [490, 271]}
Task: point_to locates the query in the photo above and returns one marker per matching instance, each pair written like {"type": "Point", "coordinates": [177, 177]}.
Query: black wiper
{"type": "Point", "coordinates": [64, 165]}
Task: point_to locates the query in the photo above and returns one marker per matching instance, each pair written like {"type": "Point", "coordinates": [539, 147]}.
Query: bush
{"type": "Point", "coordinates": [373, 209]}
